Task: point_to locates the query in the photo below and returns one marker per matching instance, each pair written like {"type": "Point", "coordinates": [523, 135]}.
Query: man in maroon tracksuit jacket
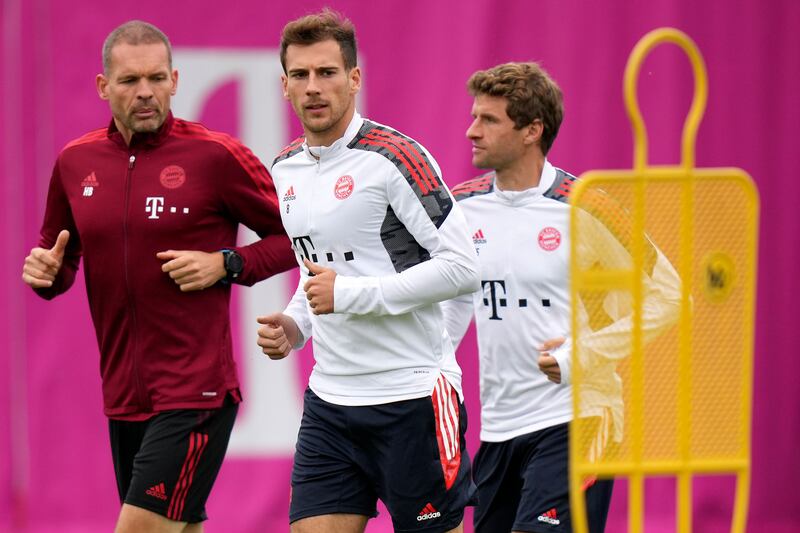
{"type": "Point", "coordinates": [153, 204]}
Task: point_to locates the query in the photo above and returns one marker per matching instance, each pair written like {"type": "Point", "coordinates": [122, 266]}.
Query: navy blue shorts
{"type": "Point", "coordinates": [168, 463]}
{"type": "Point", "coordinates": [411, 454]}
{"type": "Point", "coordinates": [523, 485]}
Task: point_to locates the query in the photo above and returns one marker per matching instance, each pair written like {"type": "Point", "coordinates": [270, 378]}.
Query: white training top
{"type": "Point", "coordinates": [523, 242]}
{"type": "Point", "coordinates": [374, 208]}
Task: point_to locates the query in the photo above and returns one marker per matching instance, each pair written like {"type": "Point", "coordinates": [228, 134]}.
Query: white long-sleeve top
{"type": "Point", "coordinates": [374, 208]}
{"type": "Point", "coordinates": [523, 243]}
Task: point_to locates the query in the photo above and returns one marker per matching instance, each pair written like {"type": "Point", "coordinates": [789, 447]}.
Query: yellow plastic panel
{"type": "Point", "coordinates": [663, 322]}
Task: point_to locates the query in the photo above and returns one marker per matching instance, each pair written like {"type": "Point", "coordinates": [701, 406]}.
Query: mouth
{"type": "Point", "coordinates": [315, 107]}
{"type": "Point", "coordinates": [144, 113]}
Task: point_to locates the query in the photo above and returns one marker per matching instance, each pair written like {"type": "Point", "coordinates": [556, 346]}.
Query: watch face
{"type": "Point", "coordinates": [233, 263]}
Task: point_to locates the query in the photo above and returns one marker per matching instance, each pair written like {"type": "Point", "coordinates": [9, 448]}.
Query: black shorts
{"type": "Point", "coordinates": [168, 463]}
{"type": "Point", "coordinates": [523, 485]}
{"type": "Point", "coordinates": [411, 454]}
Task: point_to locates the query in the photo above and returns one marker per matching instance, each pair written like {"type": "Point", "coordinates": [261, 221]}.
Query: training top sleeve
{"type": "Point", "coordinates": [452, 269]}
{"type": "Point", "coordinates": [661, 289]}
{"type": "Point", "coordinates": [250, 198]}
{"type": "Point", "coordinates": [297, 309]}
{"type": "Point", "coordinates": [457, 314]}
{"type": "Point", "coordinates": [57, 217]}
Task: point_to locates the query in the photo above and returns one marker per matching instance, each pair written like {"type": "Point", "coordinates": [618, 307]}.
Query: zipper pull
{"type": "Point", "coordinates": [131, 161]}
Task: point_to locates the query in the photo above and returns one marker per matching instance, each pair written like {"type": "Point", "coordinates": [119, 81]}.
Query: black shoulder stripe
{"type": "Point", "coordinates": [294, 147]}
{"type": "Point", "coordinates": [483, 184]}
{"type": "Point", "coordinates": [412, 162]}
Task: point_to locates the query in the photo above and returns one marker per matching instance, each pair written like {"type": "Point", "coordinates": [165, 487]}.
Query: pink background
{"type": "Point", "coordinates": [55, 467]}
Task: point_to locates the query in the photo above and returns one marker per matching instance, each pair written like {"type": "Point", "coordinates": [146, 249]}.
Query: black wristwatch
{"type": "Point", "coordinates": [233, 265]}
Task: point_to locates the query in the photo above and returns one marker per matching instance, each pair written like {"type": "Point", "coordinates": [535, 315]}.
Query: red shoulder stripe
{"type": "Point", "coordinates": [392, 148]}
{"type": "Point", "coordinates": [92, 136]}
{"type": "Point", "coordinates": [402, 143]}
{"type": "Point", "coordinates": [292, 145]}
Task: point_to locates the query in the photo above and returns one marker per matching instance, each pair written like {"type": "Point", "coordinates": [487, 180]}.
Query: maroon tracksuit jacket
{"type": "Point", "coordinates": [182, 188]}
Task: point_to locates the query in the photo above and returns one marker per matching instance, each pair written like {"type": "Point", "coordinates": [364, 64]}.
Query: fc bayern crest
{"type": "Point", "coordinates": [343, 187]}
{"type": "Point", "coordinates": [173, 177]}
{"type": "Point", "coordinates": [549, 239]}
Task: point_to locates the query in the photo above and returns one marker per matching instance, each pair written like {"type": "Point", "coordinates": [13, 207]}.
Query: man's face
{"type": "Point", "coordinates": [138, 87]}
{"type": "Point", "coordinates": [321, 90]}
{"type": "Point", "coordinates": [495, 142]}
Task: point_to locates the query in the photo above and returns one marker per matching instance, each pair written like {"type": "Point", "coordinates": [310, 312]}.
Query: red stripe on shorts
{"type": "Point", "coordinates": [445, 410]}
{"type": "Point", "coordinates": [197, 443]}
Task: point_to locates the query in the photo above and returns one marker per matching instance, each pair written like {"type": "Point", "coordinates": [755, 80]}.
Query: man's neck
{"type": "Point", "coordinates": [524, 173]}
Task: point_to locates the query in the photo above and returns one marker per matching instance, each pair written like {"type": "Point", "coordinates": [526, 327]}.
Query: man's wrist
{"type": "Point", "coordinates": [233, 265]}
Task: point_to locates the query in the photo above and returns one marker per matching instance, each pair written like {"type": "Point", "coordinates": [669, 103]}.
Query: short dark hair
{"type": "Point", "coordinates": [327, 24]}
{"type": "Point", "coordinates": [531, 94]}
{"type": "Point", "coordinates": [134, 32]}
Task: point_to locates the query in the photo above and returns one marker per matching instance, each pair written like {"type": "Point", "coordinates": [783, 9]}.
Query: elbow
{"type": "Point", "coordinates": [471, 281]}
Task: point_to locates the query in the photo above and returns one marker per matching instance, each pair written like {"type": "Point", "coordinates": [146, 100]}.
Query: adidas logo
{"type": "Point", "coordinates": [428, 513]}
{"type": "Point", "coordinates": [89, 183]}
{"type": "Point", "coordinates": [157, 491]}
{"type": "Point", "coordinates": [478, 238]}
{"type": "Point", "coordinates": [289, 195]}
{"type": "Point", "coordinates": [549, 517]}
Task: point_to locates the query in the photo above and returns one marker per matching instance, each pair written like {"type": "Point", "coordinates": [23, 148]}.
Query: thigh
{"type": "Point", "coordinates": [325, 477]}
{"type": "Point", "coordinates": [179, 459]}
{"type": "Point", "coordinates": [499, 486]}
{"type": "Point", "coordinates": [544, 499]}
{"type": "Point", "coordinates": [598, 500]}
{"type": "Point", "coordinates": [126, 439]}
{"type": "Point", "coordinates": [417, 453]}
{"type": "Point", "coordinates": [332, 523]}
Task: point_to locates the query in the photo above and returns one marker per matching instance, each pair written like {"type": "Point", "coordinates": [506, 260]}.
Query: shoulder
{"type": "Point", "coordinates": [186, 130]}
{"type": "Point", "coordinates": [483, 184]}
{"type": "Point", "coordinates": [226, 145]}
{"type": "Point", "coordinates": [93, 136]}
{"type": "Point", "coordinates": [561, 187]}
{"type": "Point", "coordinates": [408, 156]}
{"type": "Point", "coordinates": [290, 150]}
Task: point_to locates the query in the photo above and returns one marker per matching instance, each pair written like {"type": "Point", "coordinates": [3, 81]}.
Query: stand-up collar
{"type": "Point", "coordinates": [339, 145]}
{"type": "Point", "coordinates": [142, 139]}
{"type": "Point", "coordinates": [546, 180]}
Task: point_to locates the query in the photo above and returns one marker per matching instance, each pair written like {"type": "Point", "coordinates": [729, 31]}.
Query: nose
{"type": "Point", "coordinates": [311, 86]}
{"type": "Point", "coordinates": [472, 131]}
{"type": "Point", "coordinates": [144, 91]}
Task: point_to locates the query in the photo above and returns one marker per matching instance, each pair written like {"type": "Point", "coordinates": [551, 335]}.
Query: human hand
{"type": "Point", "coordinates": [42, 265]}
{"type": "Point", "coordinates": [548, 363]}
{"type": "Point", "coordinates": [319, 288]}
{"type": "Point", "coordinates": [193, 270]}
{"type": "Point", "coordinates": [277, 335]}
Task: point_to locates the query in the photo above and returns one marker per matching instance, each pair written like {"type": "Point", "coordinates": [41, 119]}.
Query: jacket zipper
{"type": "Point", "coordinates": [141, 396]}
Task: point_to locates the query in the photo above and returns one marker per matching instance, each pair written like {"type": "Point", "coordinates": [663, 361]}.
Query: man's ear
{"type": "Point", "coordinates": [102, 86]}
{"type": "Point", "coordinates": [174, 83]}
{"type": "Point", "coordinates": [284, 83]}
{"type": "Point", "coordinates": [534, 132]}
{"type": "Point", "coordinates": [355, 80]}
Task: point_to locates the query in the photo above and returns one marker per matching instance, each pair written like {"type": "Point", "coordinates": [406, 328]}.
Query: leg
{"type": "Point", "coordinates": [331, 523]}
{"type": "Point", "coordinates": [414, 452]}
{"type": "Point", "coordinates": [134, 519]}
{"type": "Point", "coordinates": [598, 500]}
{"type": "Point", "coordinates": [544, 499]}
{"type": "Point", "coordinates": [329, 490]}
{"type": "Point", "coordinates": [497, 476]}
{"type": "Point", "coordinates": [174, 469]}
